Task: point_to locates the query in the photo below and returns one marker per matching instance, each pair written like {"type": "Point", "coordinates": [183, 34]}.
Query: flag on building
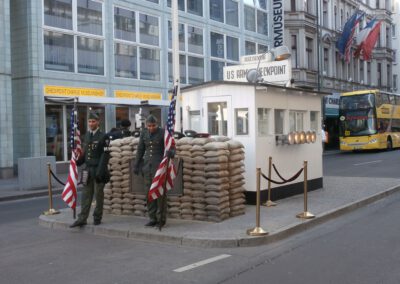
{"type": "Point", "coordinates": [346, 39]}
{"type": "Point", "coordinates": [69, 194]}
{"type": "Point", "coordinates": [367, 40]}
{"type": "Point", "coordinates": [166, 171]}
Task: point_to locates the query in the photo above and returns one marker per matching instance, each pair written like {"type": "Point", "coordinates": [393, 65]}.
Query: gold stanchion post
{"type": "Point", "coordinates": [257, 231]}
{"type": "Point", "coordinates": [269, 202]}
{"type": "Point", "coordinates": [51, 210]}
{"type": "Point", "coordinates": [305, 214]}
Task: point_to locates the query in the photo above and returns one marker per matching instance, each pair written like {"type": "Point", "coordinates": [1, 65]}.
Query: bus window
{"type": "Point", "coordinates": [385, 99]}
{"type": "Point", "coordinates": [397, 99]}
{"type": "Point", "coordinates": [378, 99]}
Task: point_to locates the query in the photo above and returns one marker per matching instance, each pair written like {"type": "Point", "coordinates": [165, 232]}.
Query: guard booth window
{"type": "Point", "coordinates": [296, 121]}
{"type": "Point", "coordinates": [263, 120]}
{"type": "Point", "coordinates": [279, 120]}
{"type": "Point", "coordinates": [217, 118]}
{"type": "Point", "coordinates": [242, 121]}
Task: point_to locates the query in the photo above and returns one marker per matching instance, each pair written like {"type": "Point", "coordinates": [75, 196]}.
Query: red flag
{"type": "Point", "coordinates": [69, 194]}
{"type": "Point", "coordinates": [368, 44]}
{"type": "Point", "coordinates": [166, 171]}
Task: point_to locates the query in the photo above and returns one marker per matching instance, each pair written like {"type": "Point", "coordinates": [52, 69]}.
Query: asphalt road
{"type": "Point", "coordinates": [361, 247]}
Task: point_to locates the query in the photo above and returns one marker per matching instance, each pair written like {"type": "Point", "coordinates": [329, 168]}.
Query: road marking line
{"type": "Point", "coordinates": [203, 262]}
{"type": "Point", "coordinates": [372, 162]}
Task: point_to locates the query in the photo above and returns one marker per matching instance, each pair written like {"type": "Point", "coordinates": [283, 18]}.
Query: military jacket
{"type": "Point", "coordinates": [150, 149]}
{"type": "Point", "coordinates": [93, 148]}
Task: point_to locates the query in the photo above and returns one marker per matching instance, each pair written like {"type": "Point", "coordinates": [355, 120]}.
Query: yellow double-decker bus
{"type": "Point", "coordinates": [369, 119]}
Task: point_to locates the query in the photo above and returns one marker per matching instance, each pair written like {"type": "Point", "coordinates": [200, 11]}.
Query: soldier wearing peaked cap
{"type": "Point", "coordinates": [95, 162]}
{"type": "Point", "coordinates": [149, 154]}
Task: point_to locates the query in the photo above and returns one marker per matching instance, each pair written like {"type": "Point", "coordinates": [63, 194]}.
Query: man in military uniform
{"type": "Point", "coordinates": [122, 132]}
{"type": "Point", "coordinates": [93, 157]}
{"type": "Point", "coordinates": [150, 152]}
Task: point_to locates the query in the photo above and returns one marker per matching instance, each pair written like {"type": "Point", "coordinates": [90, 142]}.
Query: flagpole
{"type": "Point", "coordinates": [73, 145]}
{"type": "Point", "coordinates": [175, 61]}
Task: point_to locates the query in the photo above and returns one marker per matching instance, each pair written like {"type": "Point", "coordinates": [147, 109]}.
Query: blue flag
{"type": "Point", "coordinates": [348, 32]}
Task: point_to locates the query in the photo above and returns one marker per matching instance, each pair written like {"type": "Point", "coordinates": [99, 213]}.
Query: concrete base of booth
{"type": "Point", "coordinates": [284, 191]}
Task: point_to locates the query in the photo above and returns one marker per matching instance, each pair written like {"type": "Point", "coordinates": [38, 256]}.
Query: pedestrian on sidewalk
{"type": "Point", "coordinates": [150, 152]}
{"type": "Point", "coordinates": [95, 165]}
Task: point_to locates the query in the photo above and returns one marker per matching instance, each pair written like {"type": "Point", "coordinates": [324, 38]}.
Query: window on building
{"type": "Point", "coordinates": [121, 113]}
{"type": "Point", "coordinates": [388, 76]}
{"type": "Point", "coordinates": [309, 53]}
{"type": "Point", "coordinates": [314, 121]}
{"type": "Point", "coordinates": [195, 120]}
{"type": "Point", "coordinates": [325, 13]}
{"type": "Point", "coordinates": [225, 50]}
{"type": "Point", "coordinates": [249, 47]}
{"type": "Point", "coordinates": [379, 74]}
{"type": "Point", "coordinates": [217, 118]}
{"type": "Point", "coordinates": [149, 30]}
{"type": "Point", "coordinates": [242, 121]}
{"type": "Point", "coordinates": [182, 68]}
{"type": "Point", "coordinates": [369, 73]}
{"type": "Point", "coordinates": [232, 13]}
{"type": "Point", "coordinates": [149, 64]}
{"type": "Point", "coordinates": [217, 10]}
{"type": "Point", "coordinates": [125, 60]}
{"type": "Point", "coordinates": [377, 4]}
{"type": "Point", "coordinates": [263, 121]}
{"type": "Point", "coordinates": [308, 6]}
{"type": "Point", "coordinates": [58, 51]}
{"type": "Point", "coordinates": [55, 132]}
{"type": "Point", "coordinates": [361, 72]}
{"type": "Point", "coordinates": [295, 62]}
{"type": "Point", "coordinates": [293, 5]}
{"type": "Point", "coordinates": [124, 24]}
{"type": "Point", "coordinates": [58, 13]}
{"type": "Point", "coordinates": [394, 30]}
{"type": "Point", "coordinates": [195, 69]}
{"type": "Point", "coordinates": [181, 32]}
{"type": "Point", "coordinates": [326, 60]}
{"type": "Point", "coordinates": [154, 1]}
{"type": "Point", "coordinates": [296, 120]}
{"type": "Point", "coordinates": [279, 115]}
{"type": "Point", "coordinates": [90, 17]}
{"type": "Point", "coordinates": [181, 4]}
{"type": "Point", "coordinates": [83, 36]}
{"type": "Point", "coordinates": [90, 56]}
{"type": "Point", "coordinates": [249, 18]}
{"type": "Point", "coordinates": [192, 6]}
{"type": "Point", "coordinates": [195, 40]}
{"type": "Point", "coordinates": [262, 48]}
{"type": "Point", "coordinates": [395, 82]}
{"type": "Point", "coordinates": [335, 17]}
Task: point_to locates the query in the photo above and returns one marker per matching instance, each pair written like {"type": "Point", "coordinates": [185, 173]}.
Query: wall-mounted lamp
{"type": "Point", "coordinates": [296, 137]}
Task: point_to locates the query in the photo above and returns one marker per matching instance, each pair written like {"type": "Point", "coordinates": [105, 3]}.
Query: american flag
{"type": "Point", "coordinates": [69, 194]}
{"type": "Point", "coordinates": [166, 171]}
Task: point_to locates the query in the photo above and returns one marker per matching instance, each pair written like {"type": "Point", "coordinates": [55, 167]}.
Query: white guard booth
{"type": "Point", "coordinates": [260, 117]}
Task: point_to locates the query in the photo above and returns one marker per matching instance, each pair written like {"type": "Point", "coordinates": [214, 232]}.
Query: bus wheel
{"type": "Point", "coordinates": [389, 145]}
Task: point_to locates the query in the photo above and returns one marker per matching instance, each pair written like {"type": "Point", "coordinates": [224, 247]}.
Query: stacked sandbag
{"type": "Point", "coordinates": [107, 198]}
{"type": "Point", "coordinates": [198, 180]}
{"type": "Point", "coordinates": [183, 147]}
{"type": "Point", "coordinates": [237, 198]}
{"type": "Point", "coordinates": [217, 181]}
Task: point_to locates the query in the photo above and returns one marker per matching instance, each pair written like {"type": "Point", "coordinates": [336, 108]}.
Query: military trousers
{"type": "Point", "coordinates": [156, 209]}
{"type": "Point", "coordinates": [92, 188]}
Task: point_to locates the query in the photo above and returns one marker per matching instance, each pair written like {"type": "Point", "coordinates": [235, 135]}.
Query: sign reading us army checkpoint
{"type": "Point", "coordinates": [278, 72]}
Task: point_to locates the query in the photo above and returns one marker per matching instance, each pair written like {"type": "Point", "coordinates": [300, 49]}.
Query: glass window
{"type": "Point", "coordinates": [250, 47]}
{"type": "Point", "coordinates": [217, 10]}
{"type": "Point", "coordinates": [296, 121]}
{"type": "Point", "coordinates": [154, 1]}
{"type": "Point", "coordinates": [262, 48]}
{"type": "Point", "coordinates": [314, 121]}
{"type": "Point", "coordinates": [58, 13]}
{"type": "Point", "coordinates": [125, 60]}
{"type": "Point", "coordinates": [149, 64]}
{"type": "Point", "coordinates": [232, 48]}
{"type": "Point", "coordinates": [263, 120]}
{"type": "Point", "coordinates": [242, 121]}
{"type": "Point", "coordinates": [195, 120]}
{"type": "Point", "coordinates": [249, 19]}
{"type": "Point", "coordinates": [195, 39]}
{"type": "Point", "coordinates": [90, 17]}
{"type": "Point", "coordinates": [58, 51]}
{"type": "Point", "coordinates": [182, 68]}
{"type": "Point", "coordinates": [195, 7]}
{"type": "Point", "coordinates": [217, 45]}
{"type": "Point", "coordinates": [124, 24]}
{"type": "Point", "coordinates": [54, 132]}
{"type": "Point", "coordinates": [149, 30]}
{"type": "Point", "coordinates": [181, 4]}
{"type": "Point", "coordinates": [196, 70]}
{"type": "Point", "coordinates": [217, 118]}
{"type": "Point", "coordinates": [232, 16]}
{"type": "Point", "coordinates": [279, 120]}
{"type": "Point", "coordinates": [181, 28]}
{"type": "Point", "coordinates": [262, 22]}
{"type": "Point", "coordinates": [90, 56]}
{"type": "Point", "coordinates": [121, 113]}
{"type": "Point", "coordinates": [217, 69]}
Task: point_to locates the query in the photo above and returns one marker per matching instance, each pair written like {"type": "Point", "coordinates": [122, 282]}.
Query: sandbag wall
{"type": "Point", "coordinates": [213, 181]}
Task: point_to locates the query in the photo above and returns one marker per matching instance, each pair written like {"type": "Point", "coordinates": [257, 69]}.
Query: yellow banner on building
{"type": "Point", "coordinates": [73, 92]}
{"type": "Point", "coordinates": [137, 95]}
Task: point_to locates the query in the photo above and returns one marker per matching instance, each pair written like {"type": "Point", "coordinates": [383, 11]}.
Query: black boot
{"type": "Point", "coordinates": [96, 222]}
{"type": "Point", "coordinates": [151, 223]}
{"type": "Point", "coordinates": [78, 223]}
